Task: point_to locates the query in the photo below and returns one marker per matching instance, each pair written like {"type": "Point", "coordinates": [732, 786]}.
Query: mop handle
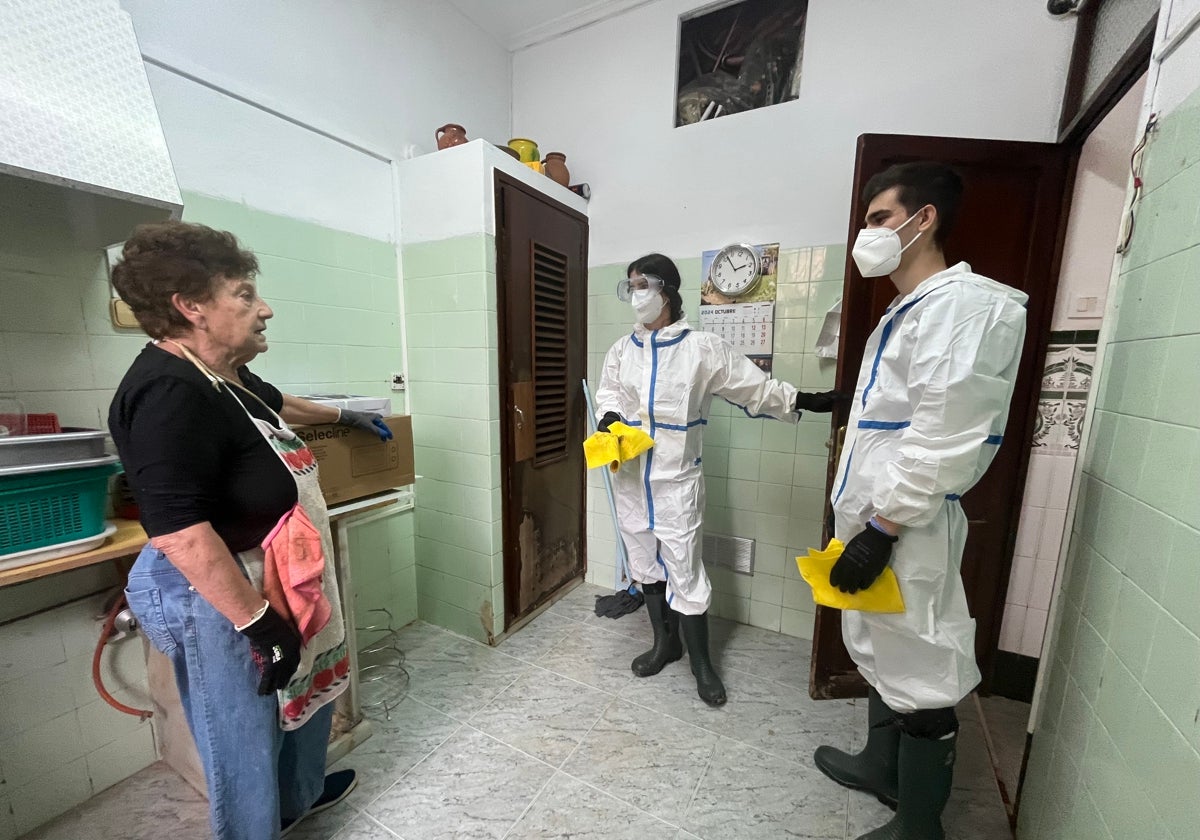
{"type": "Point", "coordinates": [622, 574]}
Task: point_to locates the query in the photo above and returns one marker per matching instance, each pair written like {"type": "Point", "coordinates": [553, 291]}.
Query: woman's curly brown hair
{"type": "Point", "coordinates": [167, 258]}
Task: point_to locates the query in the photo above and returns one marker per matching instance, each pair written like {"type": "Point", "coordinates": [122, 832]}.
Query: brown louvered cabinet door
{"type": "Point", "coordinates": [541, 276]}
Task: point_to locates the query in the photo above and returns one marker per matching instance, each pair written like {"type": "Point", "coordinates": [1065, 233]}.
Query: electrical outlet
{"type": "Point", "coordinates": [398, 383]}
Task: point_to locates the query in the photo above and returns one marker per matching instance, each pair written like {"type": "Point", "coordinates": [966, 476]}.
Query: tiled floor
{"type": "Point", "coordinates": [551, 736]}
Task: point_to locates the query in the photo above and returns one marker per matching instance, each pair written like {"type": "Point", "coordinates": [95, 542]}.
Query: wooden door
{"type": "Point", "coordinates": [541, 296]}
{"type": "Point", "coordinates": [1010, 228]}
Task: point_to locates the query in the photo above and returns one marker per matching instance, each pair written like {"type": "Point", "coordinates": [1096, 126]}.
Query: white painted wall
{"type": "Point", "coordinates": [385, 73]}
{"type": "Point", "coordinates": [1096, 207]}
{"type": "Point", "coordinates": [225, 148]}
{"type": "Point", "coordinates": [605, 96]}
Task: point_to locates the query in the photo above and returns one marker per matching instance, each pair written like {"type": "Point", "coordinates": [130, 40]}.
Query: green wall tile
{"type": "Point", "coordinates": [464, 622]}
{"type": "Point", "coordinates": [766, 616]}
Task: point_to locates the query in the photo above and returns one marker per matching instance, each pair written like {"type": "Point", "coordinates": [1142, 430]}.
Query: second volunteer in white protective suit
{"type": "Point", "coordinates": [927, 418]}
{"type": "Point", "coordinates": [662, 378]}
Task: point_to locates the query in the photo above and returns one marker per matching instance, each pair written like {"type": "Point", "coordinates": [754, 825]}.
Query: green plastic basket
{"type": "Point", "coordinates": [52, 507]}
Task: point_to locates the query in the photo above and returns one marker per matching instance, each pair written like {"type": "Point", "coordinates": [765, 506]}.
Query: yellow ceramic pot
{"type": "Point", "coordinates": [526, 149]}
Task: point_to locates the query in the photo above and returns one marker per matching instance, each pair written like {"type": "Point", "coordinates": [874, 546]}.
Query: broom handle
{"type": "Point", "coordinates": [622, 572]}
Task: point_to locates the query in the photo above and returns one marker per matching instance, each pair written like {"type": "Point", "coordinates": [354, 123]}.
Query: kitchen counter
{"type": "Point", "coordinates": [126, 542]}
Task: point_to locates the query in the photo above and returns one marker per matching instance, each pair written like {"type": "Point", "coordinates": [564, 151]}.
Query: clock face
{"type": "Point", "coordinates": [735, 270]}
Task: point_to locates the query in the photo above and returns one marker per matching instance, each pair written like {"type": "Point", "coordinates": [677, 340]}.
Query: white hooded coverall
{"type": "Point", "coordinates": [928, 417]}
{"type": "Point", "coordinates": [664, 382]}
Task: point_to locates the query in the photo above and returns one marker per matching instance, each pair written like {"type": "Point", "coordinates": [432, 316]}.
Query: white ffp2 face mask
{"type": "Point", "coordinates": [877, 250]}
{"type": "Point", "coordinates": [647, 305]}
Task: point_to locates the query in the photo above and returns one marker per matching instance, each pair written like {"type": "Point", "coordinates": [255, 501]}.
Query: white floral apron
{"type": "Point", "coordinates": [324, 671]}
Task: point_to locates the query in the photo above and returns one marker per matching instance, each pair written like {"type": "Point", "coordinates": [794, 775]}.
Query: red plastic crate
{"type": "Point", "coordinates": [35, 424]}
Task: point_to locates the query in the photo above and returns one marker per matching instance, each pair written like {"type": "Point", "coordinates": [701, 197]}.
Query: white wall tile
{"type": "Point", "coordinates": [1060, 482]}
{"type": "Point", "coordinates": [1053, 525]}
{"type": "Point", "coordinates": [1037, 484]}
{"type": "Point", "coordinates": [1043, 584]}
{"type": "Point", "coordinates": [1029, 531]}
{"type": "Point", "coordinates": [1020, 580]}
{"type": "Point", "coordinates": [1011, 628]}
{"type": "Point", "coordinates": [1035, 629]}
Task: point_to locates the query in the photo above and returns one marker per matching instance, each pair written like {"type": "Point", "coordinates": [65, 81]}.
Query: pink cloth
{"type": "Point", "coordinates": [293, 565]}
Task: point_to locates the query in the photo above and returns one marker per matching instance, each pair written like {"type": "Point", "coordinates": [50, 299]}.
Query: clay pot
{"type": "Point", "coordinates": [510, 152]}
{"type": "Point", "coordinates": [555, 166]}
{"type": "Point", "coordinates": [527, 149]}
{"type": "Point", "coordinates": [449, 135]}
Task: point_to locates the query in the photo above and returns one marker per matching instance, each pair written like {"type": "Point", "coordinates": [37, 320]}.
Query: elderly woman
{"type": "Point", "coordinates": [229, 496]}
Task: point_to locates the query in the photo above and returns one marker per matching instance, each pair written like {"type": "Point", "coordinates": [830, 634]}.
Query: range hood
{"type": "Point", "coordinates": [80, 139]}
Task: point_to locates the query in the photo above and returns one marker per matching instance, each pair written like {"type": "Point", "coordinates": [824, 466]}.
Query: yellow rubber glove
{"type": "Point", "coordinates": [882, 596]}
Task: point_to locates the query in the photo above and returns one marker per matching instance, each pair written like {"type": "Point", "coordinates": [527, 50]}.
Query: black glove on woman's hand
{"type": "Point", "coordinates": [863, 560]}
{"type": "Point", "coordinates": [607, 420]}
{"type": "Point", "coordinates": [275, 646]}
{"type": "Point", "coordinates": [821, 403]}
{"type": "Point", "coordinates": [367, 421]}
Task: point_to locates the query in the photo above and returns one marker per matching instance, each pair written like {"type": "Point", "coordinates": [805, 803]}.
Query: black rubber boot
{"type": "Point", "coordinates": [874, 769]}
{"type": "Point", "coordinates": [695, 635]}
{"type": "Point", "coordinates": [926, 771]}
{"type": "Point", "coordinates": [665, 621]}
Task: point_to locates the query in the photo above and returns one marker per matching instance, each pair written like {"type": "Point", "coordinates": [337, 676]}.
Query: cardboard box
{"type": "Point", "coordinates": [354, 463]}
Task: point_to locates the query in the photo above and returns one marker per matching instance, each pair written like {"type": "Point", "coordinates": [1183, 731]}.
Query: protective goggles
{"type": "Point", "coordinates": [627, 287]}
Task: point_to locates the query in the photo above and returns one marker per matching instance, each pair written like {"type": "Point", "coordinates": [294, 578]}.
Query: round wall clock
{"type": "Point", "coordinates": [736, 270]}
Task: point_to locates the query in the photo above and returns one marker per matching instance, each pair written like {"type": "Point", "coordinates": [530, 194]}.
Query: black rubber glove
{"type": "Point", "coordinates": [607, 420]}
{"type": "Point", "coordinates": [864, 559]}
{"type": "Point", "coordinates": [275, 647]}
{"type": "Point", "coordinates": [821, 403]}
{"type": "Point", "coordinates": [366, 421]}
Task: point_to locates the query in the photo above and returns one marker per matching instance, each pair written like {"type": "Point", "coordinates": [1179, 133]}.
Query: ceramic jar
{"type": "Point", "coordinates": [449, 135]}
{"type": "Point", "coordinates": [527, 149]}
{"type": "Point", "coordinates": [555, 166]}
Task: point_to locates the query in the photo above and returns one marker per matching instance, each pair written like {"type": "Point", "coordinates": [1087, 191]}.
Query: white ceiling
{"type": "Point", "coordinates": [522, 23]}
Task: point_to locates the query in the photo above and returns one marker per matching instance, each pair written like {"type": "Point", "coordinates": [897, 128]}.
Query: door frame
{"type": "Point", "coordinates": [510, 538]}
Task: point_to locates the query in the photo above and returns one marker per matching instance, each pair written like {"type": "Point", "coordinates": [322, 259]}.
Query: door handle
{"type": "Point", "coordinates": [520, 417]}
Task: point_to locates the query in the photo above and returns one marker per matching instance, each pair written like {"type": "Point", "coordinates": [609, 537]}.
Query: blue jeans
{"type": "Point", "coordinates": [256, 772]}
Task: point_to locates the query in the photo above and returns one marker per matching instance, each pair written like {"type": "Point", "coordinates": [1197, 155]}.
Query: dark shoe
{"type": "Point", "coordinates": [665, 621]}
{"type": "Point", "coordinates": [695, 634]}
{"type": "Point", "coordinates": [874, 769]}
{"type": "Point", "coordinates": [337, 787]}
{"type": "Point", "coordinates": [926, 771]}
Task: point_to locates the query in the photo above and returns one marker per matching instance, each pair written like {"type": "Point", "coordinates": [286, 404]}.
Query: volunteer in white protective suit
{"type": "Point", "coordinates": [927, 418]}
{"type": "Point", "coordinates": [662, 378]}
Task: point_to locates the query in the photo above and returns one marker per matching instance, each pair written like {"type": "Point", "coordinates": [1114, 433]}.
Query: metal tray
{"type": "Point", "coordinates": [28, 469]}
{"type": "Point", "coordinates": [51, 450]}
